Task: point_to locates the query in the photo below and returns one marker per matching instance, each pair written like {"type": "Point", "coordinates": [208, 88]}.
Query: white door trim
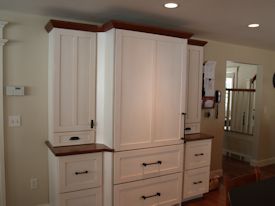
{"type": "Point", "coordinates": [2, 158]}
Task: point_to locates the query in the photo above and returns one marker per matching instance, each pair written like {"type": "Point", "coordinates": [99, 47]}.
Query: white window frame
{"type": "Point", "coordinates": [2, 157]}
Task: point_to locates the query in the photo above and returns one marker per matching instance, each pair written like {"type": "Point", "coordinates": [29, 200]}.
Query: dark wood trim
{"type": "Point", "coordinates": [118, 25]}
{"type": "Point", "coordinates": [241, 90]}
{"type": "Point", "coordinates": [145, 28]}
{"type": "Point", "coordinates": [196, 42]}
{"type": "Point", "coordinates": [197, 137]}
{"type": "Point", "coordinates": [70, 25]}
{"type": "Point", "coordinates": [78, 149]}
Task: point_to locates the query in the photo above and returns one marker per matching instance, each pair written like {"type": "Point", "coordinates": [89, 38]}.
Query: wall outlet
{"type": "Point", "coordinates": [14, 121]}
{"type": "Point", "coordinates": [34, 183]}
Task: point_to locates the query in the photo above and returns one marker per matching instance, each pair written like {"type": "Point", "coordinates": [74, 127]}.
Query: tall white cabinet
{"type": "Point", "coordinates": [194, 89]}
{"type": "Point", "coordinates": [72, 87]}
{"type": "Point", "coordinates": [142, 82]}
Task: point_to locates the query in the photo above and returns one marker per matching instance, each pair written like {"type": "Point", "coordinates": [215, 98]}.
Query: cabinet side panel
{"type": "Point", "coordinates": [195, 64]}
{"type": "Point", "coordinates": [105, 87]}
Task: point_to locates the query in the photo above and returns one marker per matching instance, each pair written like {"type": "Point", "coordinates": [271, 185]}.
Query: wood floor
{"type": "Point", "coordinates": [232, 168]}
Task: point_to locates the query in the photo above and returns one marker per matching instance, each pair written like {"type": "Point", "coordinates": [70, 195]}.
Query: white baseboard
{"type": "Point", "coordinates": [215, 173]}
{"type": "Point", "coordinates": [246, 157]}
{"type": "Point", "coordinates": [262, 163]}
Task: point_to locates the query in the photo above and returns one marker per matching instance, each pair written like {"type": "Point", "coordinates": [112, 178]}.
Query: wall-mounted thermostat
{"type": "Point", "coordinates": [15, 90]}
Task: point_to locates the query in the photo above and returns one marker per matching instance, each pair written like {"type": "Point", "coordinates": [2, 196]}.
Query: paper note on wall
{"type": "Point", "coordinates": [209, 70]}
{"type": "Point", "coordinates": [209, 87]}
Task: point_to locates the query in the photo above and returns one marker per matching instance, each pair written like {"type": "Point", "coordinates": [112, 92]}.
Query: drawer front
{"type": "Point", "coordinates": [196, 182]}
{"type": "Point", "coordinates": [192, 128]}
{"type": "Point", "coordinates": [80, 172]}
{"type": "Point", "coordinates": [73, 138]}
{"type": "Point", "coordinates": [147, 163]}
{"type": "Point", "coordinates": [90, 197]}
{"type": "Point", "coordinates": [160, 191]}
{"type": "Point", "coordinates": [197, 154]}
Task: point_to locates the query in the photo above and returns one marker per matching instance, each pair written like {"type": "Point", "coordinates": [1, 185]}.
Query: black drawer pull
{"type": "Point", "coordinates": [187, 129]}
{"type": "Point", "coordinates": [199, 182]}
{"type": "Point", "coordinates": [81, 173]}
{"type": "Point", "coordinates": [74, 138]}
{"type": "Point", "coordinates": [153, 163]}
{"type": "Point", "coordinates": [201, 154]}
{"type": "Point", "coordinates": [156, 195]}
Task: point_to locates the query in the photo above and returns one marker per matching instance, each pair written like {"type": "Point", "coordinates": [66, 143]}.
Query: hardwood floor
{"type": "Point", "coordinates": [232, 168]}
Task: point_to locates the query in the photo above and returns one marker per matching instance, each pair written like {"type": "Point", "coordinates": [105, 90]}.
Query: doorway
{"type": "Point", "coordinates": [240, 110]}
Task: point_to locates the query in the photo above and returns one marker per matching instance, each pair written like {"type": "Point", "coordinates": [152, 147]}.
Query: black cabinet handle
{"type": "Point", "coordinates": [81, 173]}
{"type": "Point", "coordinates": [146, 197]}
{"type": "Point", "coordinates": [74, 138]}
{"type": "Point", "coordinates": [201, 154]}
{"type": "Point", "coordinates": [187, 129]}
{"type": "Point", "coordinates": [183, 113]}
{"type": "Point", "coordinates": [92, 124]}
{"type": "Point", "coordinates": [152, 163]}
{"type": "Point", "coordinates": [199, 182]}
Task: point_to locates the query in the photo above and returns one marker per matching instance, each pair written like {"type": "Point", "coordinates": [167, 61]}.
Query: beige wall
{"type": "Point", "coordinates": [26, 60]}
{"type": "Point", "coordinates": [264, 145]}
{"type": "Point", "coordinates": [25, 63]}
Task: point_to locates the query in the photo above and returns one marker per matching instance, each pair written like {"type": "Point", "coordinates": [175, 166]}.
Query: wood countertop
{"type": "Point", "coordinates": [78, 149]}
{"type": "Point", "coordinates": [196, 137]}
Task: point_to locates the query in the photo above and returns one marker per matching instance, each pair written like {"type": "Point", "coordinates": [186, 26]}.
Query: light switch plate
{"type": "Point", "coordinates": [15, 90]}
{"type": "Point", "coordinates": [14, 121]}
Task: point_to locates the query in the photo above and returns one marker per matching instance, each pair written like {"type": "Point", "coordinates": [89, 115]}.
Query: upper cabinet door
{"type": "Point", "coordinates": [134, 82]}
{"type": "Point", "coordinates": [150, 74]}
{"type": "Point", "coordinates": [73, 86]}
{"type": "Point", "coordinates": [194, 91]}
{"type": "Point", "coordinates": [169, 91]}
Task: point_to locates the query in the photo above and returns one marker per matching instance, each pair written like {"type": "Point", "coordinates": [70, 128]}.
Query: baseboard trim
{"type": "Point", "coordinates": [262, 163]}
{"type": "Point", "coordinates": [215, 173]}
{"type": "Point", "coordinates": [246, 158]}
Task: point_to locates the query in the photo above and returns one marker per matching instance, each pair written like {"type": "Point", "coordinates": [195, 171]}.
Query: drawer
{"type": "Point", "coordinates": [78, 172]}
{"type": "Point", "coordinates": [197, 154]}
{"type": "Point", "coordinates": [72, 138]}
{"type": "Point", "coordinates": [147, 163]}
{"type": "Point", "coordinates": [161, 191]}
{"type": "Point", "coordinates": [192, 128]}
{"type": "Point", "coordinates": [196, 182]}
{"type": "Point", "coordinates": [90, 197]}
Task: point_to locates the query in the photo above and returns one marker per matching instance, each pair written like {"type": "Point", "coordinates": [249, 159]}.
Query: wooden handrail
{"type": "Point", "coordinates": [241, 90]}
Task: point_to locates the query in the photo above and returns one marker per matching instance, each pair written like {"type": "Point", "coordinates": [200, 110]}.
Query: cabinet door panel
{"type": "Point", "coordinates": [169, 91]}
{"type": "Point", "coordinates": [134, 87]}
{"type": "Point", "coordinates": [73, 86]}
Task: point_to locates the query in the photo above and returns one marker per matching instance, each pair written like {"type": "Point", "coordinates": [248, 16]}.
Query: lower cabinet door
{"type": "Point", "coordinates": [196, 182]}
{"type": "Point", "coordinates": [161, 191]}
{"type": "Point", "coordinates": [91, 197]}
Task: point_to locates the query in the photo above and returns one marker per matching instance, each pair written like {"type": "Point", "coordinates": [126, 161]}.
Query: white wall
{"type": "Point", "coordinates": [26, 63]}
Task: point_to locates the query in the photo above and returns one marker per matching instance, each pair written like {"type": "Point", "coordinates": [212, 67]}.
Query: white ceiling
{"type": "Point", "coordinates": [222, 20]}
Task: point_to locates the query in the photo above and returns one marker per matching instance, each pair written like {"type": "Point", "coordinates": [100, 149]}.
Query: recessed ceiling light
{"type": "Point", "coordinates": [253, 25]}
{"type": "Point", "coordinates": [171, 5]}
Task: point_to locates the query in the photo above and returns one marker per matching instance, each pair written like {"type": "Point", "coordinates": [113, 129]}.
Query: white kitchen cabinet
{"type": "Point", "coordinates": [146, 163]}
{"type": "Point", "coordinates": [76, 179]}
{"type": "Point", "coordinates": [194, 89]}
{"type": "Point", "coordinates": [91, 197]}
{"type": "Point", "coordinates": [146, 75]}
{"type": "Point", "coordinates": [196, 168]}
{"type": "Point", "coordinates": [161, 191]}
{"type": "Point", "coordinates": [72, 84]}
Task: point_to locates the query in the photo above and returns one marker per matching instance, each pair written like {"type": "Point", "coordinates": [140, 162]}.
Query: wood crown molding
{"type": "Point", "coordinates": [118, 25]}
{"type": "Point", "coordinates": [70, 25]}
{"type": "Point", "coordinates": [196, 42]}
